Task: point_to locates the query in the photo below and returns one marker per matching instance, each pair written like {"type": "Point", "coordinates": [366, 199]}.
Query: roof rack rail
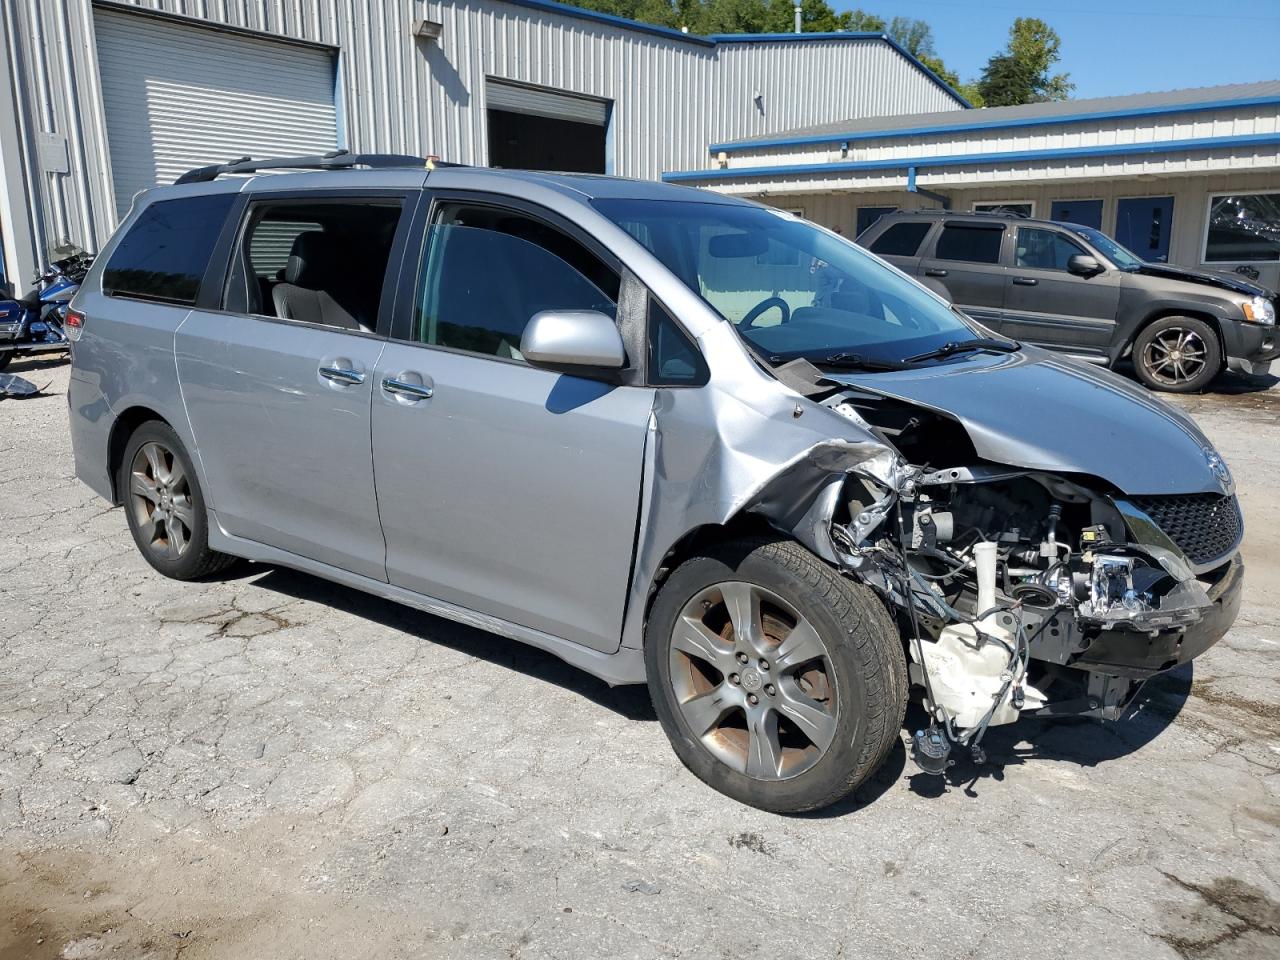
{"type": "Point", "coordinates": [968, 213]}
{"type": "Point", "coordinates": [334, 160]}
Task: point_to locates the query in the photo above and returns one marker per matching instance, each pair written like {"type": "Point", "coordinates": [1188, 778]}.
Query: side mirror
{"type": "Point", "coordinates": [1083, 266]}
{"type": "Point", "coordinates": [576, 341]}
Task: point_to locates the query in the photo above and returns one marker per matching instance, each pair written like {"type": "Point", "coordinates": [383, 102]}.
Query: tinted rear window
{"type": "Point", "coordinates": [901, 239]}
{"type": "Point", "coordinates": [166, 251]}
{"type": "Point", "coordinates": [971, 243]}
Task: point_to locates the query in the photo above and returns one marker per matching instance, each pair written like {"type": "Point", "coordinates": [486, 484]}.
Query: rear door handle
{"type": "Point", "coordinates": [410, 391]}
{"type": "Point", "coordinates": [343, 375]}
{"type": "Point", "coordinates": [1025, 281]}
{"type": "Point", "coordinates": [935, 272]}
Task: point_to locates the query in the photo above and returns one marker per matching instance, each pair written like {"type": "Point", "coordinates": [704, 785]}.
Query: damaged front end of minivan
{"type": "Point", "coordinates": [1019, 587]}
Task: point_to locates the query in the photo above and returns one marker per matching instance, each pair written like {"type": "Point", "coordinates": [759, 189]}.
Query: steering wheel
{"type": "Point", "coordinates": [768, 303]}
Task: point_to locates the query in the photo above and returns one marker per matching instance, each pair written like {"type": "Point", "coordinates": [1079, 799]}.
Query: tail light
{"type": "Point", "coordinates": [73, 324]}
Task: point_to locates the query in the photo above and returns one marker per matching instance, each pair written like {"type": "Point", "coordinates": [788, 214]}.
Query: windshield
{"type": "Point", "coordinates": [791, 289]}
{"type": "Point", "coordinates": [1121, 256]}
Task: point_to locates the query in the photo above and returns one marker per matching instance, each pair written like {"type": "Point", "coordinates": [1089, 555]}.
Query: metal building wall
{"type": "Point", "coordinates": [1190, 205]}
{"type": "Point", "coordinates": [1240, 121]}
{"type": "Point", "coordinates": [673, 96]}
{"type": "Point", "coordinates": [753, 176]}
{"type": "Point", "coordinates": [840, 79]}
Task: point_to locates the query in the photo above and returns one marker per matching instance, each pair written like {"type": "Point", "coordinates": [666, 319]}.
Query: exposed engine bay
{"type": "Point", "coordinates": [1019, 590]}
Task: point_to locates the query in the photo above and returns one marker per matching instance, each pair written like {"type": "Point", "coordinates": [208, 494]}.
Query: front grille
{"type": "Point", "coordinates": [1203, 525]}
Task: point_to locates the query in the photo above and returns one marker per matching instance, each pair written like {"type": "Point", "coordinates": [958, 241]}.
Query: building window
{"type": "Point", "coordinates": [1015, 208]}
{"type": "Point", "coordinates": [1243, 228]}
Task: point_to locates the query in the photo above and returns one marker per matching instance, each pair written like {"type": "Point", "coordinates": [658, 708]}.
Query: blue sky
{"type": "Point", "coordinates": [1112, 46]}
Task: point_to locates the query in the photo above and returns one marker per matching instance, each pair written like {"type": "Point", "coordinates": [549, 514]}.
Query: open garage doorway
{"type": "Point", "coordinates": [533, 128]}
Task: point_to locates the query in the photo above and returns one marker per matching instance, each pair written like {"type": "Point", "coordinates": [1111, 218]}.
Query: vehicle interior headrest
{"type": "Point", "coordinates": [310, 256]}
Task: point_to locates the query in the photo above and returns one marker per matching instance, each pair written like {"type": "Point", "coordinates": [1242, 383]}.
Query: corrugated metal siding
{"type": "Point", "coordinates": [399, 94]}
{"type": "Point", "coordinates": [177, 97]}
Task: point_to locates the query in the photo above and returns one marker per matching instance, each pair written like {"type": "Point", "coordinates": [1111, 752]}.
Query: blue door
{"type": "Point", "coordinates": [1087, 213]}
{"type": "Point", "coordinates": [1144, 225]}
{"type": "Point", "coordinates": [869, 215]}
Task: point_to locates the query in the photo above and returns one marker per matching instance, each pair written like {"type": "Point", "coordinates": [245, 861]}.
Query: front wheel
{"type": "Point", "coordinates": [778, 682]}
{"type": "Point", "coordinates": [1177, 355]}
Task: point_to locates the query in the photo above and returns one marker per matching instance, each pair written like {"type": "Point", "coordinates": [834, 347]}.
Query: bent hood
{"type": "Point", "coordinates": [1037, 411]}
{"type": "Point", "coordinates": [1210, 278]}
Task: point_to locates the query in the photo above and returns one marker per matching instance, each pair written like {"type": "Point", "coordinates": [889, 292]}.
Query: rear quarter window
{"type": "Point", "coordinates": [901, 239]}
{"type": "Point", "coordinates": [165, 253]}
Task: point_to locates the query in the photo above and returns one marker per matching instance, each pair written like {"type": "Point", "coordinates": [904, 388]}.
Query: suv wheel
{"type": "Point", "coordinates": [1177, 354]}
{"type": "Point", "coordinates": [164, 505]}
{"type": "Point", "coordinates": [779, 682]}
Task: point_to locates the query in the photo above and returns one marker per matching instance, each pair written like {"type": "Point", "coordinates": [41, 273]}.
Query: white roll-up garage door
{"type": "Point", "coordinates": [541, 102]}
{"type": "Point", "coordinates": [178, 96]}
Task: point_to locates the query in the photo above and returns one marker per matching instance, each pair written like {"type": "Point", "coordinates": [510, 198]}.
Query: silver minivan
{"type": "Point", "coordinates": [672, 437]}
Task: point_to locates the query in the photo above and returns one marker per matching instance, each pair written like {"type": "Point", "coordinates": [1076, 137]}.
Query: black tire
{"type": "Point", "coordinates": [863, 650]}
{"type": "Point", "coordinates": [1191, 369]}
{"type": "Point", "coordinates": [194, 559]}
{"type": "Point", "coordinates": [6, 358]}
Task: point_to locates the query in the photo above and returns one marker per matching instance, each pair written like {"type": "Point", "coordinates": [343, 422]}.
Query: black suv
{"type": "Point", "coordinates": [1073, 289]}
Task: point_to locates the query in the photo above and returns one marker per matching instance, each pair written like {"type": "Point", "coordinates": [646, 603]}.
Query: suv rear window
{"type": "Point", "coordinates": [970, 243]}
{"type": "Point", "coordinates": [901, 239]}
{"type": "Point", "coordinates": [166, 251]}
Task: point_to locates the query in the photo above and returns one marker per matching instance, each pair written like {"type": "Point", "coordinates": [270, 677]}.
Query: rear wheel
{"type": "Point", "coordinates": [779, 682]}
{"type": "Point", "coordinates": [165, 506]}
{"type": "Point", "coordinates": [1177, 355]}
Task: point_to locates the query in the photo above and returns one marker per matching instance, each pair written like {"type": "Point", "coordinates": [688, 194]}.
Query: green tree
{"type": "Point", "coordinates": [817, 16]}
{"type": "Point", "coordinates": [660, 12]}
{"type": "Point", "coordinates": [1021, 72]}
{"type": "Point", "coordinates": [915, 36]}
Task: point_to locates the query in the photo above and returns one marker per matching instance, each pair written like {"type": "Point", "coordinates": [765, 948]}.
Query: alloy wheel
{"type": "Point", "coordinates": [1175, 356]}
{"type": "Point", "coordinates": [753, 680]}
{"type": "Point", "coordinates": [160, 498]}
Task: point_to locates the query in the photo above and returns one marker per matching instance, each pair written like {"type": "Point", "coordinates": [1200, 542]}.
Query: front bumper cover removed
{"type": "Point", "coordinates": [1137, 654]}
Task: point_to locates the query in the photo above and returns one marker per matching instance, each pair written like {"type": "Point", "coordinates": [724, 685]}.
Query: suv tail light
{"type": "Point", "coordinates": [73, 324]}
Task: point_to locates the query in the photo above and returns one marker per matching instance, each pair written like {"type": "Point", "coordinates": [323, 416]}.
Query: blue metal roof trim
{"type": "Point", "coordinates": [1060, 153]}
{"type": "Point", "coordinates": [790, 37]}
{"type": "Point", "coordinates": [1203, 106]}
{"type": "Point", "coordinates": [669, 33]}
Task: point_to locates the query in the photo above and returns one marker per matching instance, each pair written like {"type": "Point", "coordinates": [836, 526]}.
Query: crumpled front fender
{"type": "Point", "coordinates": [715, 452]}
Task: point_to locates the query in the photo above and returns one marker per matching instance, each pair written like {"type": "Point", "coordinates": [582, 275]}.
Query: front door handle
{"type": "Point", "coordinates": [1025, 281]}
{"type": "Point", "coordinates": [343, 375]}
{"type": "Point", "coordinates": [935, 272]}
{"type": "Point", "coordinates": [410, 391]}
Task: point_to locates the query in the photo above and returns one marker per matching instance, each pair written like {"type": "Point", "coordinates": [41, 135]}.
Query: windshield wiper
{"type": "Point", "coordinates": [855, 361]}
{"type": "Point", "coordinates": [952, 347]}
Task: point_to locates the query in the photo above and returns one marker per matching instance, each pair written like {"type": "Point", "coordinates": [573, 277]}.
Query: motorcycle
{"type": "Point", "coordinates": [34, 323]}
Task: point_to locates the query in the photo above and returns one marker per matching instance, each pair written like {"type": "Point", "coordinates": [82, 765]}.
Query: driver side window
{"type": "Point", "coordinates": [487, 271]}
{"type": "Point", "coordinates": [1044, 249]}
